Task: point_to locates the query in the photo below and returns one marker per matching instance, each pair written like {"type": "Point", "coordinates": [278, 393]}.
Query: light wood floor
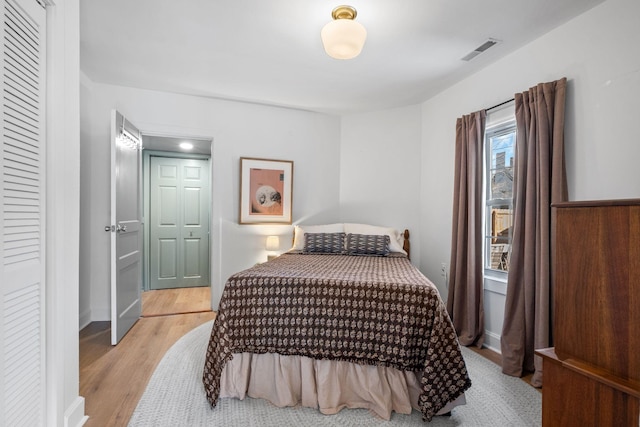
{"type": "Point", "coordinates": [113, 378]}
{"type": "Point", "coordinates": [176, 301]}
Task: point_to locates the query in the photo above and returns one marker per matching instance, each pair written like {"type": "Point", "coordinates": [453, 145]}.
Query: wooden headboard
{"type": "Point", "coordinates": [406, 245]}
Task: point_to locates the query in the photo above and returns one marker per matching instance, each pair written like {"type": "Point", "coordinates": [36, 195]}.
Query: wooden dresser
{"type": "Point", "coordinates": [592, 375]}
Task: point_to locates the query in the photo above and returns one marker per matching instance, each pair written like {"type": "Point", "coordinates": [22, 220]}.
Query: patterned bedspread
{"type": "Point", "coordinates": [359, 309]}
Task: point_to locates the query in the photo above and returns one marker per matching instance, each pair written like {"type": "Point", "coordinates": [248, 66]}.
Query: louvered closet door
{"type": "Point", "coordinates": [22, 364]}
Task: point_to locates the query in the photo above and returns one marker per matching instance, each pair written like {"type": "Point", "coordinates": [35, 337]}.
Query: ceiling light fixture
{"type": "Point", "coordinates": [343, 37]}
{"type": "Point", "coordinates": [186, 145]}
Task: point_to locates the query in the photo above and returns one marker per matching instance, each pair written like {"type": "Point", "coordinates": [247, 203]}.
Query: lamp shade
{"type": "Point", "coordinates": [273, 243]}
{"type": "Point", "coordinates": [343, 38]}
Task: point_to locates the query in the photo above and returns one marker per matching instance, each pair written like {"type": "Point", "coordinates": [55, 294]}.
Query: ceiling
{"type": "Point", "coordinates": [269, 51]}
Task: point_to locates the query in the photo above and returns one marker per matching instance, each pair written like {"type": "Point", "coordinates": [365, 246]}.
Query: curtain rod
{"type": "Point", "coordinates": [500, 104]}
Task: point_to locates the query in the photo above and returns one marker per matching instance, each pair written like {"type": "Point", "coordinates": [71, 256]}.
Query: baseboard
{"type": "Point", "coordinates": [74, 415]}
{"type": "Point", "coordinates": [84, 319]}
{"type": "Point", "coordinates": [492, 341]}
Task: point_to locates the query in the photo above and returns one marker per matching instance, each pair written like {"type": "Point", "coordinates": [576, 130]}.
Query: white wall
{"type": "Point", "coordinates": [380, 170]}
{"type": "Point", "coordinates": [238, 129]}
{"type": "Point", "coordinates": [598, 53]}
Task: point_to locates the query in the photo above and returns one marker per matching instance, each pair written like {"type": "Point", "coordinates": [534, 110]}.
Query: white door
{"type": "Point", "coordinates": [22, 215]}
{"type": "Point", "coordinates": [126, 230]}
{"type": "Point", "coordinates": [179, 223]}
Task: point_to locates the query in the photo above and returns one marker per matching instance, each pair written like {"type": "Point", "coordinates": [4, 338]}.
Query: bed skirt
{"type": "Point", "coordinates": [323, 384]}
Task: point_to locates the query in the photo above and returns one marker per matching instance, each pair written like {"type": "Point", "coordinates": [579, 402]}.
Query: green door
{"type": "Point", "coordinates": [179, 223]}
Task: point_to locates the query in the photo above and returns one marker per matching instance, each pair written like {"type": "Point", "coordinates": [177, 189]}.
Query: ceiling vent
{"type": "Point", "coordinates": [477, 51]}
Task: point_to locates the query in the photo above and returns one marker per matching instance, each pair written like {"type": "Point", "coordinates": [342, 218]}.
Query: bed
{"type": "Point", "coordinates": [342, 320]}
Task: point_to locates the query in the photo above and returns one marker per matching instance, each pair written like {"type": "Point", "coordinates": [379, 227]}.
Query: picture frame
{"type": "Point", "coordinates": [266, 191]}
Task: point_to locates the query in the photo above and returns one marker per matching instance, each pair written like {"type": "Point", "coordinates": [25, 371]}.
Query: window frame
{"type": "Point", "coordinates": [499, 128]}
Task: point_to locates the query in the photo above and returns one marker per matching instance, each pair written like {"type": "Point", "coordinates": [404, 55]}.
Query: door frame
{"type": "Point", "coordinates": [146, 196]}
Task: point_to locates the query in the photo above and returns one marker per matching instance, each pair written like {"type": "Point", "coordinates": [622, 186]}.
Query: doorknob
{"type": "Point", "coordinates": [109, 228]}
{"type": "Point", "coordinates": [121, 228]}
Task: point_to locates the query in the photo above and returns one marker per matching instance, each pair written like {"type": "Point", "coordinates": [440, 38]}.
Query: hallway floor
{"type": "Point", "coordinates": [176, 301]}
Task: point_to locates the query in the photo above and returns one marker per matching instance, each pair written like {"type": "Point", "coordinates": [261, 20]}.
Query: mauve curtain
{"type": "Point", "coordinates": [465, 301]}
{"type": "Point", "coordinates": [540, 180]}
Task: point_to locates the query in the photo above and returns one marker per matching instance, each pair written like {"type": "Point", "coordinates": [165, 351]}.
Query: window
{"type": "Point", "coordinates": [500, 144]}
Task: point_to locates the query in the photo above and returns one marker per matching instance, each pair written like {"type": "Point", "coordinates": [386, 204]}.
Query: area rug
{"type": "Point", "coordinates": [175, 397]}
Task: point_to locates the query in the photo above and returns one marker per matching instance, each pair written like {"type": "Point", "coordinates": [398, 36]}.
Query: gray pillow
{"type": "Point", "coordinates": [326, 243]}
{"type": "Point", "coordinates": [367, 244]}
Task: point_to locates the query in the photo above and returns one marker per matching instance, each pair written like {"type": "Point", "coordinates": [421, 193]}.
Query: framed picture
{"type": "Point", "coordinates": [266, 189]}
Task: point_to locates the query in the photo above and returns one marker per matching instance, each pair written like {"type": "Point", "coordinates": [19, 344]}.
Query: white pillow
{"type": "Point", "coordinates": [299, 230]}
{"type": "Point", "coordinates": [396, 239]}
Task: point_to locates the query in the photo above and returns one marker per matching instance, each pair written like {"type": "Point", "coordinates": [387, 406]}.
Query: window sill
{"type": "Point", "coordinates": [495, 282]}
